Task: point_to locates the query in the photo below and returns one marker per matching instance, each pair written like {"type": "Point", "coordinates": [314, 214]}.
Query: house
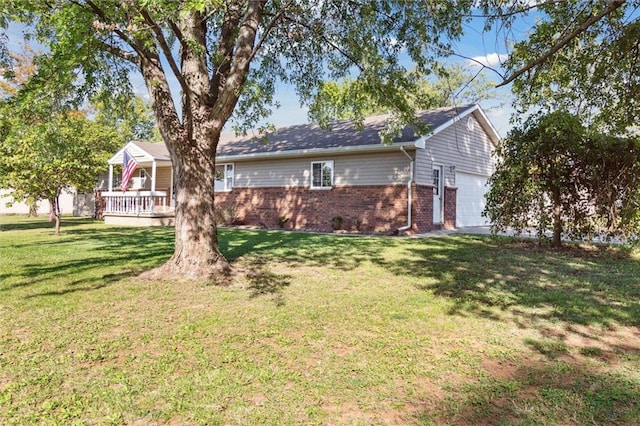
{"type": "Point", "coordinates": [70, 202]}
{"type": "Point", "coordinates": [306, 177]}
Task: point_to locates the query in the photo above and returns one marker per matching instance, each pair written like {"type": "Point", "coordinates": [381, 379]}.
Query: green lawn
{"type": "Point", "coordinates": [316, 329]}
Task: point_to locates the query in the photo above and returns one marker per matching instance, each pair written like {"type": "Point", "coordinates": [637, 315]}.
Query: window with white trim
{"type": "Point", "coordinates": [138, 182]}
{"type": "Point", "coordinates": [436, 181]}
{"type": "Point", "coordinates": [224, 177]}
{"type": "Point", "coordinates": [322, 174]}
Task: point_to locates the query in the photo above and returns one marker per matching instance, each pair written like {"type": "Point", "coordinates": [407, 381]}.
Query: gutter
{"type": "Point", "coordinates": [314, 152]}
{"type": "Point", "coordinates": [409, 193]}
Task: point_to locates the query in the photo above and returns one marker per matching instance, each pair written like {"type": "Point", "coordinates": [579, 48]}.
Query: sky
{"type": "Point", "coordinates": [474, 48]}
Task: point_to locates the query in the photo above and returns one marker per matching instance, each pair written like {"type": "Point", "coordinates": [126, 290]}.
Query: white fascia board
{"type": "Point", "coordinates": [359, 149]}
{"type": "Point", "coordinates": [138, 153]}
{"type": "Point", "coordinates": [455, 119]}
{"type": "Point", "coordinates": [488, 126]}
{"type": "Point", "coordinates": [117, 157]}
{"type": "Point", "coordinates": [480, 116]}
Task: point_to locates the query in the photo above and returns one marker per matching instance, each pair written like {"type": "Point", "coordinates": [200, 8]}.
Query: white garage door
{"type": "Point", "coordinates": [470, 199]}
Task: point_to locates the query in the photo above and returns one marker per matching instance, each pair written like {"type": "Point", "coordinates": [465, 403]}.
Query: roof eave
{"type": "Point", "coordinates": [116, 159]}
{"type": "Point", "coordinates": [491, 131]}
{"type": "Point", "coordinates": [342, 150]}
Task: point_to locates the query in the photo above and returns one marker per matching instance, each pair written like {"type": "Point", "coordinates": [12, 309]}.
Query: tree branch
{"type": "Point", "coordinates": [224, 50]}
{"type": "Point", "coordinates": [243, 53]}
{"type": "Point", "coordinates": [166, 50]}
{"type": "Point", "coordinates": [121, 34]}
{"type": "Point", "coordinates": [330, 43]}
{"type": "Point", "coordinates": [268, 29]}
{"type": "Point", "coordinates": [612, 6]}
{"type": "Point", "coordinates": [116, 51]}
{"type": "Point", "coordinates": [514, 12]}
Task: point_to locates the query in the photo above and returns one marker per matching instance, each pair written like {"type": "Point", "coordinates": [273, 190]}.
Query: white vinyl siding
{"type": "Point", "coordinates": [389, 168]}
{"type": "Point", "coordinates": [163, 178]}
{"type": "Point", "coordinates": [460, 148]}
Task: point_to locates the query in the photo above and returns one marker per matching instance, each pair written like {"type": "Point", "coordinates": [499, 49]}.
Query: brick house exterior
{"type": "Point", "coordinates": [309, 178]}
{"type": "Point", "coordinates": [378, 209]}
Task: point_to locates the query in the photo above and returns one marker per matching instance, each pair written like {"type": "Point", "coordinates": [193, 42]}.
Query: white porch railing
{"type": "Point", "coordinates": [136, 202]}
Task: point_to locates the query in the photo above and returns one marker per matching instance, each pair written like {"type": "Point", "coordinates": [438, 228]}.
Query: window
{"type": "Point", "coordinates": [224, 177]}
{"type": "Point", "coordinates": [321, 174]}
{"type": "Point", "coordinates": [138, 182]}
{"type": "Point", "coordinates": [436, 181]}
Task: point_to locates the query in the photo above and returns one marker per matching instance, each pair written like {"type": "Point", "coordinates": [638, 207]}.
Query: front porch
{"type": "Point", "coordinates": [143, 204]}
{"type": "Point", "coordinates": [142, 208]}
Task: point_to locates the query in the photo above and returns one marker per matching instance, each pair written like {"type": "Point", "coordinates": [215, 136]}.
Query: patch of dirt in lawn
{"type": "Point", "coordinates": [347, 413]}
{"type": "Point", "coordinates": [4, 382]}
{"type": "Point", "coordinates": [608, 345]}
{"type": "Point", "coordinates": [500, 369]}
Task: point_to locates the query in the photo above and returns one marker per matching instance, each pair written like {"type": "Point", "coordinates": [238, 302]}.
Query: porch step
{"type": "Point", "coordinates": [157, 219]}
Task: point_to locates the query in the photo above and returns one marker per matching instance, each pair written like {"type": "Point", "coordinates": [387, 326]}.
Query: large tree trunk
{"type": "Point", "coordinates": [207, 103]}
{"type": "Point", "coordinates": [197, 254]}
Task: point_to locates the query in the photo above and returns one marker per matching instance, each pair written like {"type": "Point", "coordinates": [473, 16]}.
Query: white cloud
{"type": "Point", "coordinates": [500, 117]}
{"type": "Point", "coordinates": [491, 60]}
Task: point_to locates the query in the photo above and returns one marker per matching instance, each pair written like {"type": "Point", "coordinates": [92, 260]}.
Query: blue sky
{"type": "Point", "coordinates": [488, 48]}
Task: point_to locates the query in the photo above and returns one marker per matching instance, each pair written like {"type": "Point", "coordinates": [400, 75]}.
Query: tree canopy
{"type": "Point", "coordinates": [579, 56]}
{"type": "Point", "coordinates": [447, 85]}
{"type": "Point", "coordinates": [40, 159]}
{"type": "Point", "coordinates": [46, 148]}
{"type": "Point", "coordinates": [554, 175]}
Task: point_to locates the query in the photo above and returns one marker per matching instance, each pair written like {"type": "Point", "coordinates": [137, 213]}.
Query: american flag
{"type": "Point", "coordinates": [129, 165]}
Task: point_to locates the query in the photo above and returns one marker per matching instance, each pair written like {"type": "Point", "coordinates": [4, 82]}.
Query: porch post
{"type": "Point", "coordinates": [110, 177]}
{"type": "Point", "coordinates": [153, 176]}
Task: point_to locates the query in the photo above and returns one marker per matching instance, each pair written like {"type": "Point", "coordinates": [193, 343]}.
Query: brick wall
{"type": "Point", "coordinates": [450, 197]}
{"type": "Point", "coordinates": [423, 208]}
{"type": "Point", "coordinates": [379, 208]}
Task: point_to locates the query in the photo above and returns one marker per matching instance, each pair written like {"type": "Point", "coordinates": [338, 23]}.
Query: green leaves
{"type": "Point", "coordinates": [553, 161]}
{"type": "Point", "coordinates": [39, 159]}
{"type": "Point", "coordinates": [595, 75]}
{"type": "Point", "coordinates": [401, 94]}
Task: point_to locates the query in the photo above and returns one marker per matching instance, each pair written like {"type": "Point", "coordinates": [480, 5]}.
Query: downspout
{"type": "Point", "coordinates": [409, 192]}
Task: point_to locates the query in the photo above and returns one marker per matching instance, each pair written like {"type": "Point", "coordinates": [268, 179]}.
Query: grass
{"type": "Point", "coordinates": [319, 330]}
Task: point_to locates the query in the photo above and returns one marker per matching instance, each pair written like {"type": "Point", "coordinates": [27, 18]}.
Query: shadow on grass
{"type": "Point", "coordinates": [556, 392]}
{"type": "Point", "coordinates": [88, 259]}
{"type": "Point", "coordinates": [263, 282]}
{"type": "Point", "coordinates": [482, 276]}
{"type": "Point", "coordinates": [85, 285]}
{"type": "Point", "coordinates": [22, 223]}
{"type": "Point", "coordinates": [338, 252]}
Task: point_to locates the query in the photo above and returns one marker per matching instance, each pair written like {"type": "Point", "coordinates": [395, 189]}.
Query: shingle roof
{"type": "Point", "coordinates": [311, 136]}
{"type": "Point", "coordinates": [341, 134]}
{"type": "Point", "coordinates": [157, 150]}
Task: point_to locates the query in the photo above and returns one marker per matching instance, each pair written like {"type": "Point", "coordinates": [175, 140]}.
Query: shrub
{"type": "Point", "coordinates": [282, 221]}
{"type": "Point", "coordinates": [336, 222]}
{"type": "Point", "coordinates": [226, 216]}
